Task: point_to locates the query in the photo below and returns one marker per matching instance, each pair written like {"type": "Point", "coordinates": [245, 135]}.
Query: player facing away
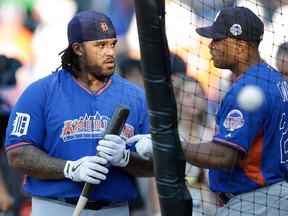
{"type": "Point", "coordinates": [56, 126]}
{"type": "Point", "coordinates": [247, 156]}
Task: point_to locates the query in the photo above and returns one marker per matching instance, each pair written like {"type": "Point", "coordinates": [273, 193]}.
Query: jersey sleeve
{"type": "Point", "coordinates": [26, 124]}
{"type": "Point", "coordinates": [234, 126]}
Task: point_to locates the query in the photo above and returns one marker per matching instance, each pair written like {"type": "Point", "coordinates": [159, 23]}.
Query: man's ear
{"type": "Point", "coordinates": [241, 46]}
{"type": "Point", "coordinates": [77, 48]}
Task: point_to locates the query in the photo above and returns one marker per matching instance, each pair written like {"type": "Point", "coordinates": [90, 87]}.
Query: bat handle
{"type": "Point", "coordinates": [116, 123]}
{"type": "Point", "coordinates": [83, 199]}
{"type": "Point", "coordinates": [80, 205]}
{"type": "Point", "coordinates": [87, 190]}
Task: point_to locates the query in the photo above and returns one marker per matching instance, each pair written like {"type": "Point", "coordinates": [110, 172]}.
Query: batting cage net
{"type": "Point", "coordinates": [198, 98]}
{"type": "Point", "coordinates": [255, 185]}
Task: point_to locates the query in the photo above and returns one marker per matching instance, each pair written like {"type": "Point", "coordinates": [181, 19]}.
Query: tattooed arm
{"type": "Point", "coordinates": [34, 162]}
{"type": "Point", "coordinates": [139, 167]}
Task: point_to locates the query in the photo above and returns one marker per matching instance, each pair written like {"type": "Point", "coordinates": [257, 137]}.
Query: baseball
{"type": "Point", "coordinates": [250, 98]}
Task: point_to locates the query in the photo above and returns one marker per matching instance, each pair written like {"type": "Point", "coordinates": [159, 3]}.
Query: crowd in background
{"type": "Point", "coordinates": [33, 33]}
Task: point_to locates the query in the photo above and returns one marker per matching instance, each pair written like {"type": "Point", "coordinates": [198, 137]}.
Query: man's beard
{"type": "Point", "coordinates": [100, 74]}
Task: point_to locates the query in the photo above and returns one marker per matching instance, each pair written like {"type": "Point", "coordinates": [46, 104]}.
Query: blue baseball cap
{"type": "Point", "coordinates": [235, 22]}
{"type": "Point", "coordinates": [90, 25]}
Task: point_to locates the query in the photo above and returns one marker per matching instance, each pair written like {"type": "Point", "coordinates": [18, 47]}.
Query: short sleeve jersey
{"type": "Point", "coordinates": [260, 135]}
{"type": "Point", "coordinates": [62, 118]}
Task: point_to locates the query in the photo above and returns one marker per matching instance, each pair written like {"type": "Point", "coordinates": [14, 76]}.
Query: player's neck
{"type": "Point", "coordinates": [91, 84]}
{"type": "Point", "coordinates": [244, 65]}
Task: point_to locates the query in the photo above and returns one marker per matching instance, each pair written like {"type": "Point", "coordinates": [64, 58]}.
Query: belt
{"type": "Point", "coordinates": [225, 197]}
{"type": "Point", "coordinates": [92, 205]}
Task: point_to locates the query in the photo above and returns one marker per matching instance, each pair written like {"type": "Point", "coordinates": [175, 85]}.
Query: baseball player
{"type": "Point", "coordinates": [247, 155]}
{"type": "Point", "coordinates": [55, 128]}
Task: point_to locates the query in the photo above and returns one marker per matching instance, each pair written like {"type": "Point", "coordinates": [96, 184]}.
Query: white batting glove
{"type": "Point", "coordinates": [113, 149]}
{"type": "Point", "coordinates": [89, 169]}
{"type": "Point", "coordinates": [143, 146]}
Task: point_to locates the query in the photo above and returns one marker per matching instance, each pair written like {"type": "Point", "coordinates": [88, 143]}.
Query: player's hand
{"type": "Point", "coordinates": [113, 149]}
{"type": "Point", "coordinates": [143, 146]}
{"type": "Point", "coordinates": [90, 169]}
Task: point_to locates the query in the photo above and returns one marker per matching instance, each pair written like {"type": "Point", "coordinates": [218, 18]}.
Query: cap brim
{"type": "Point", "coordinates": [209, 32]}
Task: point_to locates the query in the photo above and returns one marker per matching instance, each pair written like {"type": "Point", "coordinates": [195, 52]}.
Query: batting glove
{"type": "Point", "coordinates": [113, 149]}
{"type": "Point", "coordinates": [89, 169]}
{"type": "Point", "coordinates": [143, 146]}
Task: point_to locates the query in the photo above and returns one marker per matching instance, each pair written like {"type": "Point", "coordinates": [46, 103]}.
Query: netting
{"type": "Point", "coordinates": [199, 95]}
{"type": "Point", "coordinates": [228, 90]}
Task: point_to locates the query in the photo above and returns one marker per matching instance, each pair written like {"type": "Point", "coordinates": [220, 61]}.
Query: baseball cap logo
{"type": "Point", "coordinates": [104, 26]}
{"type": "Point", "coordinates": [236, 30]}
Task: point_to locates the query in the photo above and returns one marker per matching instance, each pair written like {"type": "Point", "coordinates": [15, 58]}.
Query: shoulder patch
{"type": "Point", "coordinates": [20, 124]}
{"type": "Point", "coordinates": [234, 120]}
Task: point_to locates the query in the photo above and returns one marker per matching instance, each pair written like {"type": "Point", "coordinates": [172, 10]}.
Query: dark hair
{"type": "Point", "coordinates": [254, 45]}
{"type": "Point", "coordinates": [70, 61]}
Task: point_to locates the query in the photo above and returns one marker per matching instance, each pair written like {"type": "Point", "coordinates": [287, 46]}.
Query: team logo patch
{"type": "Point", "coordinates": [20, 124]}
{"type": "Point", "coordinates": [104, 26]}
{"type": "Point", "coordinates": [234, 120]}
{"type": "Point", "coordinates": [236, 29]}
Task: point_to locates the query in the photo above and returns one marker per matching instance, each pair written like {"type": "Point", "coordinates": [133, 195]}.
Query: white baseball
{"type": "Point", "coordinates": [250, 98]}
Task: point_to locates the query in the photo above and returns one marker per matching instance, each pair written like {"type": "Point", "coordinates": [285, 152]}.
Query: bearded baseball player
{"type": "Point", "coordinates": [55, 128]}
{"type": "Point", "coordinates": [247, 156]}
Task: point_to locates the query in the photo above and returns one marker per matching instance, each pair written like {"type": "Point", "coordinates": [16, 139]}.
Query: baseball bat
{"type": "Point", "coordinates": [115, 125]}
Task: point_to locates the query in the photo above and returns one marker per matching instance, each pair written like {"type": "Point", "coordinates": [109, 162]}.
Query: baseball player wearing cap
{"type": "Point", "coordinates": [56, 125]}
{"type": "Point", "coordinates": [247, 155]}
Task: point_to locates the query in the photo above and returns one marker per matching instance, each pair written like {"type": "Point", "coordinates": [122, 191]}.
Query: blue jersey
{"type": "Point", "coordinates": [261, 136]}
{"type": "Point", "coordinates": [62, 118]}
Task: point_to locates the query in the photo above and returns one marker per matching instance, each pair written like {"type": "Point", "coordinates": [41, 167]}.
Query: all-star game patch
{"type": "Point", "coordinates": [234, 120]}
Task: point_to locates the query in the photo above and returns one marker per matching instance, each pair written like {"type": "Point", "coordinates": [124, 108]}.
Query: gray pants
{"type": "Point", "coordinates": [267, 201]}
{"type": "Point", "coordinates": [48, 207]}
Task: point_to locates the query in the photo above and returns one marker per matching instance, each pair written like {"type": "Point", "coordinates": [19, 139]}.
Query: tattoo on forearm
{"type": "Point", "coordinates": [36, 163]}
